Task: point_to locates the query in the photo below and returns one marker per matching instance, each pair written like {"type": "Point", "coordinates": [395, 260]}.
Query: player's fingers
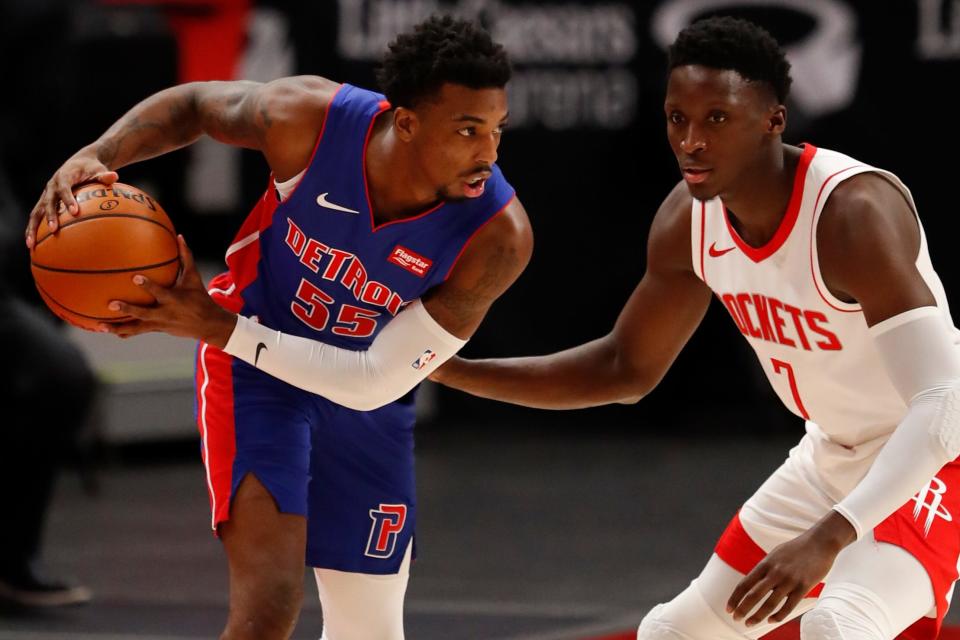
{"type": "Point", "coordinates": [132, 310]}
{"type": "Point", "coordinates": [189, 274]}
{"type": "Point", "coordinates": [51, 204]}
{"type": "Point", "coordinates": [64, 196]}
{"type": "Point", "coordinates": [753, 597]}
{"type": "Point", "coordinates": [36, 215]}
{"type": "Point", "coordinates": [115, 328]}
{"type": "Point", "coordinates": [124, 329]}
{"type": "Point", "coordinates": [744, 586]}
{"type": "Point", "coordinates": [788, 606]}
{"type": "Point", "coordinates": [162, 294]}
{"type": "Point", "coordinates": [769, 605]}
{"type": "Point", "coordinates": [107, 177]}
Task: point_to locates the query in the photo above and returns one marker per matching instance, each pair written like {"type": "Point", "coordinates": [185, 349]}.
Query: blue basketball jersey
{"type": "Point", "coordinates": [323, 268]}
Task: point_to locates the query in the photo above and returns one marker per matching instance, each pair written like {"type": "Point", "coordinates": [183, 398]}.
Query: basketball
{"type": "Point", "coordinates": [92, 257]}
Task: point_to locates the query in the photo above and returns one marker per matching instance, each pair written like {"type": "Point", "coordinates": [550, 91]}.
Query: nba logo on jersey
{"type": "Point", "coordinates": [388, 521]}
{"type": "Point", "coordinates": [425, 358]}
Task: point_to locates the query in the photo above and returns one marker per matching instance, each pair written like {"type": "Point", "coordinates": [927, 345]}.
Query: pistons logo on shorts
{"type": "Point", "coordinates": [388, 521]}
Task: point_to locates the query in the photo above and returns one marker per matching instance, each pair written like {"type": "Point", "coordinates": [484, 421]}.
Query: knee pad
{"type": "Point", "coordinates": [820, 624]}
{"type": "Point", "coordinates": [359, 606]}
{"type": "Point", "coordinates": [686, 617]}
{"type": "Point", "coordinates": [652, 628]}
{"type": "Point", "coordinates": [845, 619]}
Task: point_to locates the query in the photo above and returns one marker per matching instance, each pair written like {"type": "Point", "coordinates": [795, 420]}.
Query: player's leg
{"type": "Point", "coordinates": [358, 606]}
{"type": "Point", "coordinates": [782, 508]}
{"type": "Point", "coordinates": [919, 545]}
{"type": "Point", "coordinates": [699, 612]}
{"type": "Point", "coordinates": [362, 516]}
{"type": "Point", "coordinates": [265, 551]}
{"type": "Point", "coordinates": [256, 447]}
{"type": "Point", "coordinates": [874, 592]}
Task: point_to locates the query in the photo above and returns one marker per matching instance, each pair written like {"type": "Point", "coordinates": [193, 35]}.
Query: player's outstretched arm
{"type": "Point", "coordinates": [624, 365]}
{"type": "Point", "coordinates": [407, 349]}
{"type": "Point", "coordinates": [281, 118]}
{"type": "Point", "coordinates": [868, 241]}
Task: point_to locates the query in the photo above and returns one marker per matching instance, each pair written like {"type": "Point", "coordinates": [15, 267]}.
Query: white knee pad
{"type": "Point", "coordinates": [359, 606]}
{"type": "Point", "coordinates": [653, 628]}
{"type": "Point", "coordinates": [820, 624]}
{"type": "Point", "coordinates": [698, 613]}
{"type": "Point", "coordinates": [686, 617]}
{"type": "Point", "coordinates": [851, 613]}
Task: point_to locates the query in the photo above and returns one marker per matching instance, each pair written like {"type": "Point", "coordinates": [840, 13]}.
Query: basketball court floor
{"type": "Point", "coordinates": [563, 530]}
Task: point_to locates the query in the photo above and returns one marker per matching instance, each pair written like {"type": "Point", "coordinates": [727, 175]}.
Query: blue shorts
{"type": "Point", "coordinates": [350, 473]}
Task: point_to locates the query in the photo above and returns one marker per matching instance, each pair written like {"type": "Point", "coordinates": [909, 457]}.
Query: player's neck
{"type": "Point", "coordinates": [757, 206]}
{"type": "Point", "coordinates": [397, 189]}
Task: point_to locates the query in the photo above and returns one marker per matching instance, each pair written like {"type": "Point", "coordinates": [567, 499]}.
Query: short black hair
{"type": "Point", "coordinates": [439, 50]}
{"type": "Point", "coordinates": [723, 42]}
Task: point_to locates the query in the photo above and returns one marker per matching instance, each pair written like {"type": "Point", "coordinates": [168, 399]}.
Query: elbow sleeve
{"type": "Point", "coordinates": [408, 349]}
{"type": "Point", "coordinates": [921, 355]}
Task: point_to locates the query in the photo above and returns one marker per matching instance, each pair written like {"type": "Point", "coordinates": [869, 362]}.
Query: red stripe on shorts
{"type": "Point", "coordinates": [214, 388]}
{"type": "Point", "coordinates": [737, 549]}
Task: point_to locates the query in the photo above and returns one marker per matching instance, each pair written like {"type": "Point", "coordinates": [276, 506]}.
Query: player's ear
{"type": "Point", "coordinates": [405, 123]}
{"type": "Point", "coordinates": [777, 119]}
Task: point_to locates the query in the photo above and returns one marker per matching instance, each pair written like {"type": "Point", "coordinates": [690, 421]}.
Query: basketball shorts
{"type": "Point", "coordinates": [794, 498]}
{"type": "Point", "coordinates": [350, 473]}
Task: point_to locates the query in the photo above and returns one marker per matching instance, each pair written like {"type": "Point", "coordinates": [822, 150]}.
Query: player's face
{"type": "Point", "coordinates": [720, 127]}
{"type": "Point", "coordinates": [457, 138]}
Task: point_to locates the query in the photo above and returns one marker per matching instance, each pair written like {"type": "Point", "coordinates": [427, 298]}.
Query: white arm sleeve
{"type": "Point", "coordinates": [922, 358]}
{"type": "Point", "coordinates": [403, 354]}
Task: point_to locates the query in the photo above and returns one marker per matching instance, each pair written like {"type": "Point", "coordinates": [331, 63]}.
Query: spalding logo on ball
{"type": "Point", "coordinates": [91, 259]}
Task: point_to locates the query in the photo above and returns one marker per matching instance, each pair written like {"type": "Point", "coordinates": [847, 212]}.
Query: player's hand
{"type": "Point", "coordinates": [57, 196]}
{"type": "Point", "coordinates": [791, 570]}
{"type": "Point", "coordinates": [185, 309]}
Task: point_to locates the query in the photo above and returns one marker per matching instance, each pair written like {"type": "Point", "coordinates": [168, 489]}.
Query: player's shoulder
{"type": "Point", "coordinates": [511, 229]}
{"type": "Point", "coordinates": [863, 206]}
{"type": "Point", "coordinates": [669, 242]}
{"type": "Point", "coordinates": [507, 239]}
{"type": "Point", "coordinates": [296, 97]}
{"type": "Point", "coordinates": [866, 225]}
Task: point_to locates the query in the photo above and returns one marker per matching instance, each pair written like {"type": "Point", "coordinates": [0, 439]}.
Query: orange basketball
{"type": "Point", "coordinates": [91, 259]}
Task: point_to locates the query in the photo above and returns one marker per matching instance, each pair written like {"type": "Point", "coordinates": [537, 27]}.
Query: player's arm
{"type": "Point", "coordinates": [627, 363]}
{"type": "Point", "coordinates": [411, 346]}
{"type": "Point", "coordinates": [281, 119]}
{"type": "Point", "coordinates": [868, 241]}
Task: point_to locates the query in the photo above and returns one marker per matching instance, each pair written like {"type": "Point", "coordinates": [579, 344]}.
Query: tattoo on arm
{"type": "Point", "coordinates": [463, 303]}
{"type": "Point", "coordinates": [236, 115]}
{"type": "Point", "coordinates": [144, 132]}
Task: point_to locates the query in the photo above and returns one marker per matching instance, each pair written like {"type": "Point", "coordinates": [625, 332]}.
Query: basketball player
{"type": "Point", "coordinates": [384, 236]}
{"type": "Point", "coordinates": [822, 264]}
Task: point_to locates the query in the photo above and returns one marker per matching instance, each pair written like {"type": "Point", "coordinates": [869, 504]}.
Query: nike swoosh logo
{"type": "Point", "coordinates": [716, 253]}
{"type": "Point", "coordinates": [260, 347]}
{"type": "Point", "coordinates": [323, 202]}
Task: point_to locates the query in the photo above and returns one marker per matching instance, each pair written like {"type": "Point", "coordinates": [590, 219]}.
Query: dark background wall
{"type": "Point", "coordinates": [586, 149]}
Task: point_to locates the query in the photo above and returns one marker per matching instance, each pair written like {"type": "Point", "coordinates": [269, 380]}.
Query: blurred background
{"type": "Point", "coordinates": [587, 154]}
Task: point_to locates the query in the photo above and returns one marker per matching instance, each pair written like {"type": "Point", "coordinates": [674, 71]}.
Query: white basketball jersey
{"type": "Point", "coordinates": [814, 348]}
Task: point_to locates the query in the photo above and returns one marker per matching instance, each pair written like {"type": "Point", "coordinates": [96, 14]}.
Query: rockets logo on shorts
{"type": "Point", "coordinates": [934, 490]}
{"type": "Point", "coordinates": [388, 521]}
{"type": "Point", "coordinates": [425, 358]}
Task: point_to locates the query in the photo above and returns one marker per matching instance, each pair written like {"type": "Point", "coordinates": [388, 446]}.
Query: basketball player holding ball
{"type": "Point", "coordinates": [384, 235]}
{"type": "Point", "coordinates": [823, 266]}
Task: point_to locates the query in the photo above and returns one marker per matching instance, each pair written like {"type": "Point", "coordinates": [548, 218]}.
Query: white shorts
{"type": "Point", "coordinates": [796, 496]}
